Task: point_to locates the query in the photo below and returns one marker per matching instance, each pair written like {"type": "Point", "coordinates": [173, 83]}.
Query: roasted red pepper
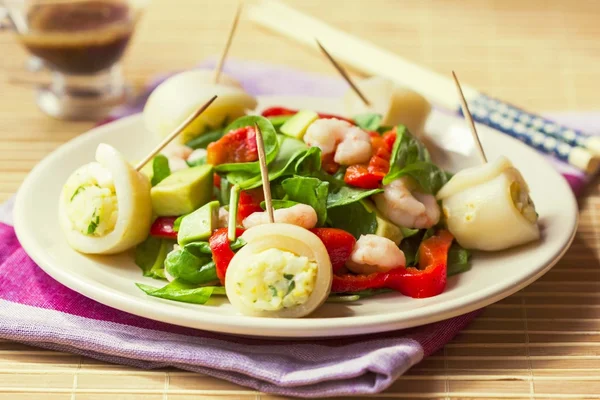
{"type": "Point", "coordinates": [221, 252]}
{"type": "Point", "coordinates": [249, 203]}
{"type": "Point", "coordinates": [360, 176]}
{"type": "Point", "coordinates": [370, 176]}
{"type": "Point", "coordinates": [427, 281]}
{"type": "Point", "coordinates": [339, 245]}
{"type": "Point", "coordinates": [277, 112]}
{"type": "Point", "coordinates": [280, 111]}
{"type": "Point", "coordinates": [236, 146]}
{"type": "Point", "coordinates": [163, 227]}
{"type": "Point", "coordinates": [389, 138]}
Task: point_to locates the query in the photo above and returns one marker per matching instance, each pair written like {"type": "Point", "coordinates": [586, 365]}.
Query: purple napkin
{"type": "Point", "coordinates": [36, 310]}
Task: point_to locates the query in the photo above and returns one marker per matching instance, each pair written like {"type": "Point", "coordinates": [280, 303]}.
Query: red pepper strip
{"type": "Point", "coordinates": [357, 283]}
{"type": "Point", "coordinates": [371, 175]}
{"type": "Point", "coordinates": [249, 203]}
{"type": "Point", "coordinates": [339, 245]}
{"type": "Point", "coordinates": [236, 146]}
{"type": "Point", "coordinates": [279, 111]}
{"type": "Point", "coordinates": [360, 176]}
{"type": "Point", "coordinates": [428, 281]}
{"type": "Point", "coordinates": [162, 227]}
{"type": "Point", "coordinates": [217, 180]}
{"type": "Point", "coordinates": [389, 138]}
{"type": "Point", "coordinates": [221, 252]}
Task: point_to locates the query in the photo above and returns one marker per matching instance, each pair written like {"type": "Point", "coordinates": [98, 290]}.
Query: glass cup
{"type": "Point", "coordinates": [81, 42]}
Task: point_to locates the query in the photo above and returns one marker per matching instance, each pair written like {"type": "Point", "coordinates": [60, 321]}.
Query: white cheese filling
{"type": "Point", "coordinates": [276, 279]}
{"type": "Point", "coordinates": [91, 201]}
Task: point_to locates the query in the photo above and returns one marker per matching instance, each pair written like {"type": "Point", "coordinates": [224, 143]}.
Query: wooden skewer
{"type": "Point", "coordinates": [174, 134]}
{"type": "Point", "coordinates": [469, 118]}
{"type": "Point", "coordinates": [344, 74]}
{"type": "Point", "coordinates": [264, 173]}
{"type": "Point", "coordinates": [232, 30]}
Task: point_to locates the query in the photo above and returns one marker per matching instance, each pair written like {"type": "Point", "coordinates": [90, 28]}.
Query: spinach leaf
{"type": "Point", "coordinates": [202, 141]}
{"type": "Point", "coordinates": [279, 120]}
{"type": "Point", "coordinates": [192, 263]}
{"type": "Point", "coordinates": [371, 292]}
{"type": "Point", "coordinates": [222, 193]}
{"type": "Point", "coordinates": [355, 218]}
{"type": "Point", "coordinates": [150, 256]}
{"type": "Point", "coordinates": [346, 195]}
{"type": "Point", "coordinates": [308, 190]}
{"type": "Point", "coordinates": [430, 177]}
{"type": "Point", "coordinates": [160, 169]}
{"type": "Point", "coordinates": [410, 247]}
{"type": "Point", "coordinates": [458, 260]}
{"type": "Point", "coordinates": [368, 121]}
{"type": "Point", "coordinates": [355, 296]}
{"type": "Point", "coordinates": [177, 222]}
{"type": "Point", "coordinates": [411, 158]}
{"type": "Point", "coordinates": [277, 204]}
{"type": "Point", "coordinates": [182, 291]}
{"type": "Point", "coordinates": [341, 172]}
{"type": "Point", "coordinates": [270, 140]}
{"type": "Point", "coordinates": [291, 152]}
{"type": "Point", "coordinates": [341, 194]}
{"type": "Point", "coordinates": [309, 162]}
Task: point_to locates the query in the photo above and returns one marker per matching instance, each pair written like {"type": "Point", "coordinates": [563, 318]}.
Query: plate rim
{"type": "Point", "coordinates": [295, 328]}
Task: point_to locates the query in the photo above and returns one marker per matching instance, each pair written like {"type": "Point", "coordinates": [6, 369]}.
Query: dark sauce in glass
{"type": "Point", "coordinates": [82, 37]}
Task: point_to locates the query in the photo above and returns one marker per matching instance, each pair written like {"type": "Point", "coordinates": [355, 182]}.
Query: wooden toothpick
{"type": "Point", "coordinates": [469, 118]}
{"type": "Point", "coordinates": [264, 173]}
{"type": "Point", "coordinates": [232, 30]}
{"type": "Point", "coordinates": [174, 134]}
{"type": "Point", "coordinates": [344, 74]}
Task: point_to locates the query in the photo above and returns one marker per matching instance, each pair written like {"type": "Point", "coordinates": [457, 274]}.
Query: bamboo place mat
{"type": "Point", "coordinates": [542, 343]}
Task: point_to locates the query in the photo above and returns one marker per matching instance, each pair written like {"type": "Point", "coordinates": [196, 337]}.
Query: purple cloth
{"type": "Point", "coordinates": [37, 310]}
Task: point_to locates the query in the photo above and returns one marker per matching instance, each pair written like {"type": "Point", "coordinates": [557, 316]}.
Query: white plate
{"type": "Point", "coordinates": [110, 280]}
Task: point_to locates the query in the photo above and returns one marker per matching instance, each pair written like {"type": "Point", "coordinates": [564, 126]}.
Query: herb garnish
{"type": "Point", "coordinates": [93, 223]}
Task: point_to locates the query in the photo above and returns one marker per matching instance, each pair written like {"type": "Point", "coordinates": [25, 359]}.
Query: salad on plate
{"type": "Point", "coordinates": [359, 206]}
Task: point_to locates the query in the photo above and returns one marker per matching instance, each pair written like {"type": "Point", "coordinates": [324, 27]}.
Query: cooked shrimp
{"type": "Point", "coordinates": [223, 217]}
{"type": "Point", "coordinates": [374, 253]}
{"type": "Point", "coordinates": [300, 214]}
{"type": "Point", "coordinates": [176, 163]}
{"type": "Point", "coordinates": [177, 154]}
{"type": "Point", "coordinates": [351, 144]}
{"type": "Point", "coordinates": [405, 208]}
{"type": "Point", "coordinates": [177, 150]}
{"type": "Point", "coordinates": [196, 155]}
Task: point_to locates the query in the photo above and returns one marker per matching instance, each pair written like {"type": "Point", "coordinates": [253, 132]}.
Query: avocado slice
{"type": "Point", "coordinates": [199, 225]}
{"type": "Point", "coordinates": [296, 126]}
{"type": "Point", "coordinates": [183, 191]}
{"type": "Point", "coordinates": [385, 228]}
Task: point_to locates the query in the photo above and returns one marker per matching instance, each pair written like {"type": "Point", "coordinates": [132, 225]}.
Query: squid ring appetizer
{"type": "Point", "coordinates": [489, 208]}
{"type": "Point", "coordinates": [177, 97]}
{"type": "Point", "coordinates": [105, 206]}
{"type": "Point", "coordinates": [283, 271]}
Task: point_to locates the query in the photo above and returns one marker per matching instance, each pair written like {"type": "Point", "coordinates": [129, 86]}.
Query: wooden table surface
{"type": "Point", "coordinates": [543, 342]}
